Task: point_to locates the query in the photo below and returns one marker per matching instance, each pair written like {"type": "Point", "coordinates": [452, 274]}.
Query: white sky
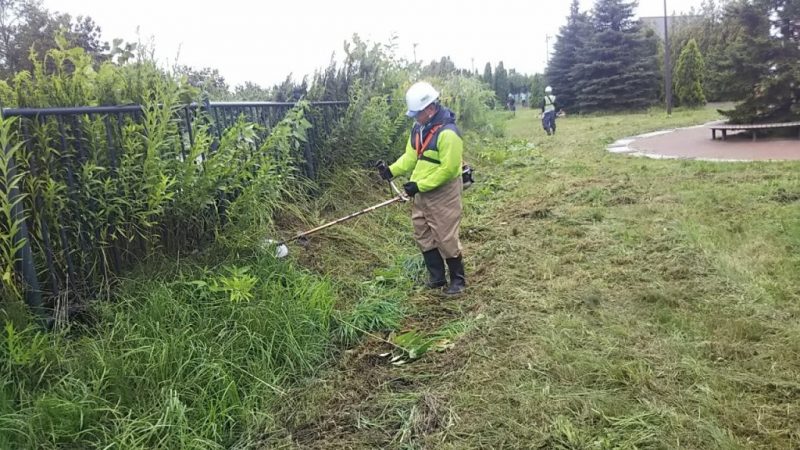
{"type": "Point", "coordinates": [263, 41]}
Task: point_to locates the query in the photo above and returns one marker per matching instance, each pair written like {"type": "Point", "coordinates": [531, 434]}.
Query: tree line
{"type": "Point", "coordinates": [28, 30]}
{"type": "Point", "coordinates": [728, 50]}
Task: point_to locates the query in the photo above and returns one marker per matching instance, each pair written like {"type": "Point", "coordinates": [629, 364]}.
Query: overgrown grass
{"type": "Point", "coordinates": [189, 360]}
{"type": "Point", "coordinates": [201, 352]}
{"type": "Point", "coordinates": [623, 303]}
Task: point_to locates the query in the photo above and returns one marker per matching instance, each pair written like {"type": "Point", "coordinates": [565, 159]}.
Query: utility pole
{"type": "Point", "coordinates": [415, 50]}
{"type": "Point", "coordinates": [667, 66]}
{"type": "Point", "coordinates": [547, 48]}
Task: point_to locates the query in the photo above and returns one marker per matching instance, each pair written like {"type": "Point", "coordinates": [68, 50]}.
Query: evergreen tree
{"type": "Point", "coordinates": [767, 58]}
{"type": "Point", "coordinates": [517, 82]}
{"type": "Point", "coordinates": [565, 56]}
{"type": "Point", "coordinates": [617, 68]}
{"type": "Point", "coordinates": [501, 87]}
{"type": "Point", "coordinates": [715, 33]}
{"type": "Point", "coordinates": [537, 90]}
{"type": "Point", "coordinates": [689, 76]}
{"type": "Point", "coordinates": [487, 75]}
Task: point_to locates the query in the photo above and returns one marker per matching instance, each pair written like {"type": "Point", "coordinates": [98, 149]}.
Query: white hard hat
{"type": "Point", "coordinates": [418, 96]}
{"type": "Point", "coordinates": [548, 89]}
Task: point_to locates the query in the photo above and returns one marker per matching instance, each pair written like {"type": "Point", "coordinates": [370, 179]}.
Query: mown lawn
{"type": "Point", "coordinates": [615, 302]}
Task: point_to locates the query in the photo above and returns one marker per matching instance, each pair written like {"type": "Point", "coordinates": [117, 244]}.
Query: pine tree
{"type": "Point", "coordinates": [767, 57]}
{"type": "Point", "coordinates": [517, 82]}
{"type": "Point", "coordinates": [715, 33]}
{"type": "Point", "coordinates": [617, 68]}
{"type": "Point", "coordinates": [487, 75]}
{"type": "Point", "coordinates": [537, 88]}
{"type": "Point", "coordinates": [565, 56]}
{"type": "Point", "coordinates": [689, 76]}
{"type": "Point", "coordinates": [501, 87]}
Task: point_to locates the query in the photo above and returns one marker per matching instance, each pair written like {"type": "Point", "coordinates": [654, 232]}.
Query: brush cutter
{"type": "Point", "coordinates": [281, 250]}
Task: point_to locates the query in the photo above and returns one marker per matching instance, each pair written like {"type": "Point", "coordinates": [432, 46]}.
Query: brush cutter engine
{"type": "Point", "coordinates": [466, 175]}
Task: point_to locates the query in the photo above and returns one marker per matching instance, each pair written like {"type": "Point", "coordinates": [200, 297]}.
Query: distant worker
{"type": "Point", "coordinates": [433, 158]}
{"type": "Point", "coordinates": [511, 104]}
{"type": "Point", "coordinates": [549, 107]}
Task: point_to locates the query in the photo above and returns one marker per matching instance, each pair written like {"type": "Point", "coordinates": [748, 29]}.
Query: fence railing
{"type": "Point", "coordinates": [54, 255]}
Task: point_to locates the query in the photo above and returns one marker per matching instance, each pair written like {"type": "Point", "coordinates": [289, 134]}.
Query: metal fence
{"type": "Point", "coordinates": [46, 242]}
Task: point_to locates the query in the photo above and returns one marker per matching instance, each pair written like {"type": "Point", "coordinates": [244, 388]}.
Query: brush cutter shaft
{"type": "Point", "coordinates": [398, 192]}
{"type": "Point", "coordinates": [399, 198]}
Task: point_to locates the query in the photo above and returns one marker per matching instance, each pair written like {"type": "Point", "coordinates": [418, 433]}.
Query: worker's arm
{"type": "Point", "coordinates": [405, 163]}
{"type": "Point", "coordinates": [543, 105]}
{"type": "Point", "coordinates": [451, 149]}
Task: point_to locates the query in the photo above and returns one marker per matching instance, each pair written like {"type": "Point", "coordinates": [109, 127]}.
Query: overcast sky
{"type": "Point", "coordinates": [263, 41]}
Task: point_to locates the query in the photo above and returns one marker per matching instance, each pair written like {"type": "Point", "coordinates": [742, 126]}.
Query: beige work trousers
{"type": "Point", "coordinates": [436, 216]}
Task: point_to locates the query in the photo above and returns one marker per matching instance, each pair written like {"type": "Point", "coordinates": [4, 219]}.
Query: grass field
{"type": "Point", "coordinates": [614, 302]}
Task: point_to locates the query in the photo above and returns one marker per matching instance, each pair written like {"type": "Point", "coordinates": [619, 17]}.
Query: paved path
{"type": "Point", "coordinates": [696, 143]}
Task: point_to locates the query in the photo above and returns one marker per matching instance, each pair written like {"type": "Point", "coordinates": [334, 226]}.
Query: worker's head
{"type": "Point", "coordinates": [421, 102]}
{"type": "Point", "coordinates": [548, 90]}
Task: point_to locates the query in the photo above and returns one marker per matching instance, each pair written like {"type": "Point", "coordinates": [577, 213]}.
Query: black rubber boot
{"type": "Point", "coordinates": [435, 264]}
{"type": "Point", "coordinates": [458, 281]}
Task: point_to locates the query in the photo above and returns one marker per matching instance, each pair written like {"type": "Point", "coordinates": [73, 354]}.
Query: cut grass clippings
{"type": "Point", "coordinates": [624, 303]}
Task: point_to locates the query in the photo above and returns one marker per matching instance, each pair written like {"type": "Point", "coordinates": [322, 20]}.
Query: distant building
{"type": "Point", "coordinates": [656, 23]}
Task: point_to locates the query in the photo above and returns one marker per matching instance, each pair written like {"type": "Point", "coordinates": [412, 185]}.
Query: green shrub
{"type": "Point", "coordinates": [150, 196]}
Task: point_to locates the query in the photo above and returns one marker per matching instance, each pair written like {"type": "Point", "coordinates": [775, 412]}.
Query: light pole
{"type": "Point", "coordinates": [547, 48]}
{"type": "Point", "coordinates": [415, 51]}
{"type": "Point", "coordinates": [667, 67]}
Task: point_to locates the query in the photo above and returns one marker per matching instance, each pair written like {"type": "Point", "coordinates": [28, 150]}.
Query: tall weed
{"type": "Point", "coordinates": [192, 361]}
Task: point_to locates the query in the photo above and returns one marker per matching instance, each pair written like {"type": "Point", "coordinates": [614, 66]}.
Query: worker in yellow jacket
{"type": "Point", "coordinates": [433, 158]}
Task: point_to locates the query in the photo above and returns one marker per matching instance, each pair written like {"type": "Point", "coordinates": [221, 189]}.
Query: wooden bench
{"type": "Point", "coordinates": [724, 128]}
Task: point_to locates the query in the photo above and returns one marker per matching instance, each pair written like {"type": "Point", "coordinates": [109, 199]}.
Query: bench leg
{"type": "Point", "coordinates": [754, 135]}
{"type": "Point", "coordinates": [724, 135]}
{"type": "Point", "coordinates": [714, 134]}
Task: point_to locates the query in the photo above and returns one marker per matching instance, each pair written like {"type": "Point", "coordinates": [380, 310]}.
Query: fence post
{"type": "Point", "coordinates": [33, 295]}
{"type": "Point", "coordinates": [311, 172]}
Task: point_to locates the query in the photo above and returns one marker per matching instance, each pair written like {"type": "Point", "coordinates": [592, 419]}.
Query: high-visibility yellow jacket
{"type": "Point", "coordinates": [433, 153]}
